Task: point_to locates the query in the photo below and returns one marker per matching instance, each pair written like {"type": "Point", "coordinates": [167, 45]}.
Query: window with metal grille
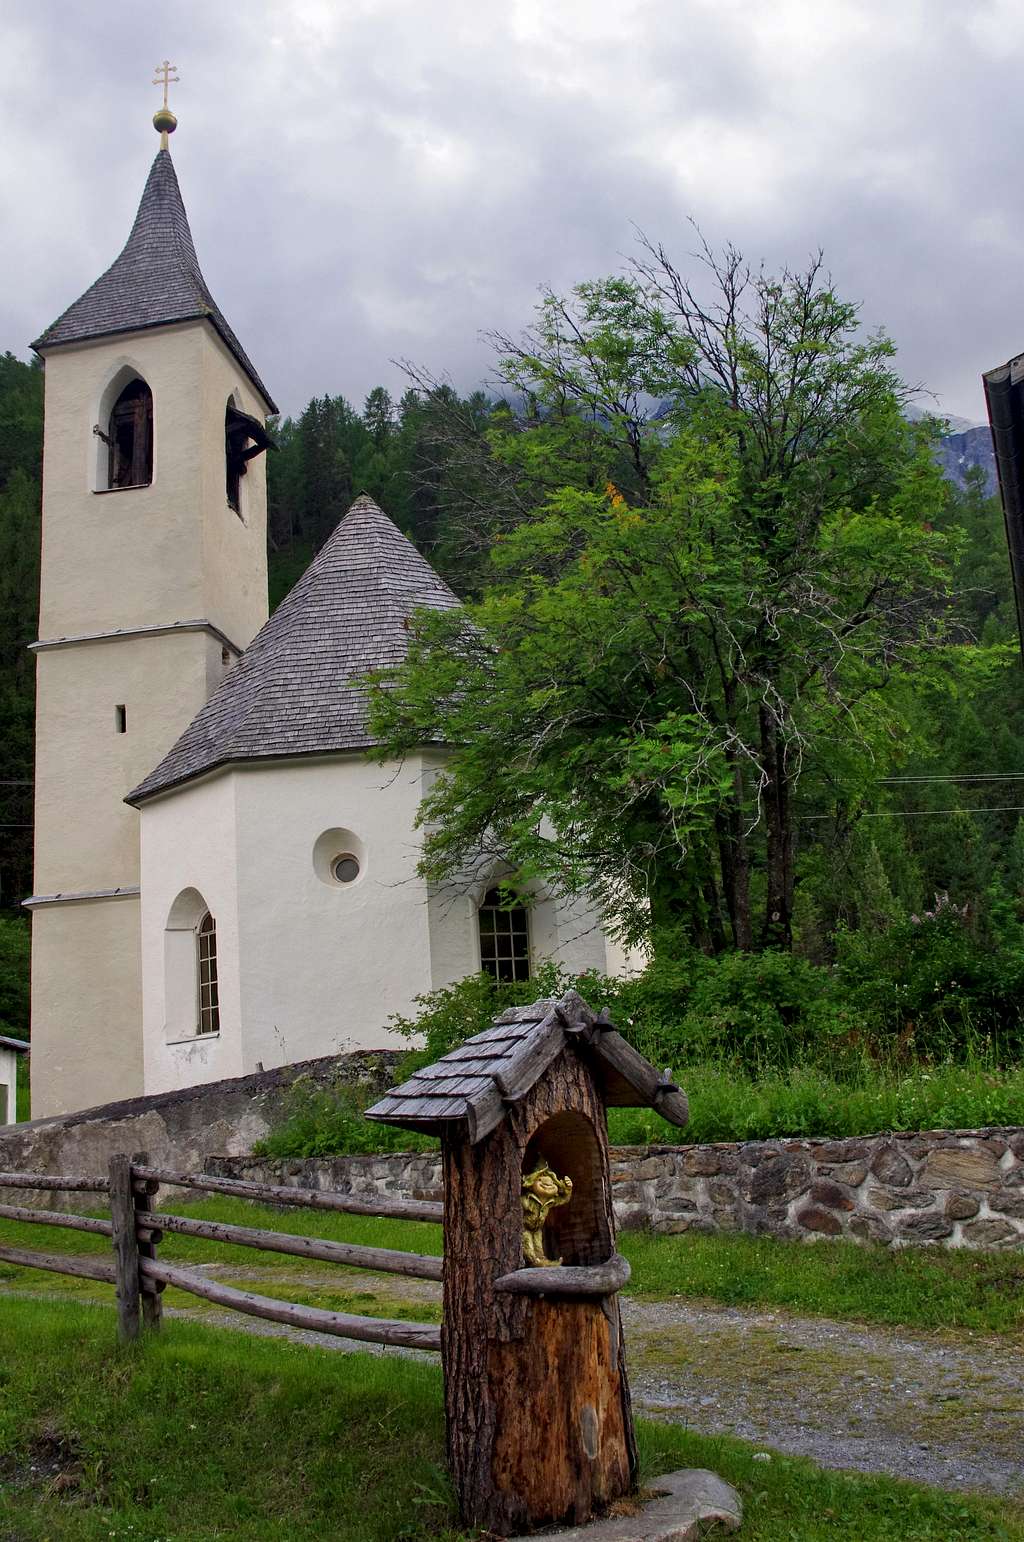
{"type": "Point", "coordinates": [129, 437]}
{"type": "Point", "coordinates": [209, 1003]}
{"type": "Point", "coordinates": [504, 938]}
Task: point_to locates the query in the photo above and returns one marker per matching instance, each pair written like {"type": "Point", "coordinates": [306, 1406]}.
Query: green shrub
{"type": "Point", "coordinates": [324, 1121]}
{"type": "Point", "coordinates": [911, 1029]}
{"type": "Point", "coordinates": [448, 1017]}
{"type": "Point", "coordinates": [755, 1010]}
{"type": "Point", "coordinates": [764, 1045]}
{"type": "Point", "coordinates": [726, 1103]}
{"type": "Point", "coordinates": [930, 987]}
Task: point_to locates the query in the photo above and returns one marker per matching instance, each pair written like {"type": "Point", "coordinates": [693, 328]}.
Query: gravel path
{"type": "Point", "coordinates": [942, 1409]}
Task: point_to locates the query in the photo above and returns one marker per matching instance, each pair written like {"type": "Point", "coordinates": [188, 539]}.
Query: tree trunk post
{"type": "Point", "coordinates": [537, 1406]}
{"type": "Point", "coordinates": [126, 1250]}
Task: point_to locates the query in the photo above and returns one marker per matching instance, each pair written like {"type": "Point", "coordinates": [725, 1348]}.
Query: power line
{"type": "Point", "coordinates": [922, 813]}
{"type": "Point", "coordinates": [986, 776]}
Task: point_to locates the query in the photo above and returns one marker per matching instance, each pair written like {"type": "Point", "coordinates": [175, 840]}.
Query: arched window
{"type": "Point", "coordinates": [209, 1003]}
{"type": "Point", "coordinates": [504, 938]}
{"type": "Point", "coordinates": [191, 967]}
{"type": "Point", "coordinates": [244, 437]}
{"type": "Point", "coordinates": [129, 437]}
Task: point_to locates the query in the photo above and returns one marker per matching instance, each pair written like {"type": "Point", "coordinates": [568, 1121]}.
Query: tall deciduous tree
{"type": "Point", "coordinates": [728, 571]}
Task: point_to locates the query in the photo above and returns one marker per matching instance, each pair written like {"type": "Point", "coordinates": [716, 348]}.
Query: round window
{"type": "Point", "coordinates": [345, 868]}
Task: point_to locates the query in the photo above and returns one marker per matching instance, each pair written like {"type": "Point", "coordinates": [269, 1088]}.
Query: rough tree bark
{"type": "Point", "coordinates": [537, 1404]}
{"type": "Point", "coordinates": [778, 917]}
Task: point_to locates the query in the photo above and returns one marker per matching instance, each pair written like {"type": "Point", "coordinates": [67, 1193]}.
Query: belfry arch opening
{"type": "Point", "coordinates": [244, 438]}
{"type": "Point", "coordinates": [125, 433]}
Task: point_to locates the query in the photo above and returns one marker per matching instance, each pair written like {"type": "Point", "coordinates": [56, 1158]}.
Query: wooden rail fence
{"type": "Point", "coordinates": [136, 1231]}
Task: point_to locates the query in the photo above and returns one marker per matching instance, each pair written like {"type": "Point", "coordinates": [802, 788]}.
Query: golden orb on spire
{"type": "Point", "coordinates": [164, 120]}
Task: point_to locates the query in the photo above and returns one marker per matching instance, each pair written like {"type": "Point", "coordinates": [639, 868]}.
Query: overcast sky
{"type": "Point", "coordinates": [370, 180]}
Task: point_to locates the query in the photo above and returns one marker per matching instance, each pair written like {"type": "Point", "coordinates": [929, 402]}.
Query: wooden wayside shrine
{"type": "Point", "coordinates": [539, 1424]}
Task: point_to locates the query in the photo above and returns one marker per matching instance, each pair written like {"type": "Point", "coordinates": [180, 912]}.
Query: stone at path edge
{"type": "Point", "coordinates": [689, 1501]}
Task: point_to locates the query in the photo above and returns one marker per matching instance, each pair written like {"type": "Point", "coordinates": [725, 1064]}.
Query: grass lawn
{"type": "Point", "coordinates": [928, 1288]}
{"type": "Point", "coordinates": [199, 1434]}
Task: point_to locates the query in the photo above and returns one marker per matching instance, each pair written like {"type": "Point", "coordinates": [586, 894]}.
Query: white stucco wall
{"type": "Point", "coordinates": [309, 966]}
{"type": "Point", "coordinates": [306, 966]}
{"type": "Point", "coordinates": [142, 556]}
{"type": "Point", "coordinates": [87, 837]}
{"type": "Point", "coordinates": [86, 1005]}
{"type": "Point", "coordinates": [324, 964]}
{"type": "Point", "coordinates": [189, 841]}
{"type": "Point", "coordinates": [8, 1085]}
{"type": "Point", "coordinates": [131, 558]}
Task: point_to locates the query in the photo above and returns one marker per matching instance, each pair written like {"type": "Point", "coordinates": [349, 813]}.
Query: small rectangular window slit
{"type": "Point", "coordinates": [121, 719]}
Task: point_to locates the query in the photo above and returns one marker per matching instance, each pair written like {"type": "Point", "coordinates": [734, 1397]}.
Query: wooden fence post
{"type": "Point", "coordinates": [126, 1248]}
{"type": "Point", "coordinates": [152, 1290]}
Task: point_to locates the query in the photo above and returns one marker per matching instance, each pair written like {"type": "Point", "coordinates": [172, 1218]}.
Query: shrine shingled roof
{"type": "Point", "coordinates": [155, 281]}
{"type": "Point", "coordinates": [297, 689]}
{"type": "Point", "coordinates": [470, 1089]}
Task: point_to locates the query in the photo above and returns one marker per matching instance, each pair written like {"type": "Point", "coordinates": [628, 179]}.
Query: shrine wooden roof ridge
{"type": "Point", "coordinates": [471, 1089]}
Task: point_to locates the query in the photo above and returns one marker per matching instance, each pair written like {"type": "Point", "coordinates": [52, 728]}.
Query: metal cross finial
{"type": "Point", "coordinates": [165, 77]}
{"type": "Point", "coordinates": [164, 120]}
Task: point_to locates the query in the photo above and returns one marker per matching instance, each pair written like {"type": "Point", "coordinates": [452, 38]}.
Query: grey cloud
{"type": "Point", "coordinates": [375, 180]}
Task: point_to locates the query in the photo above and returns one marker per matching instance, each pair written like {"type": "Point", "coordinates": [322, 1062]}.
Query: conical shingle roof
{"type": "Point", "coordinates": [294, 691]}
{"type": "Point", "coordinates": [156, 279]}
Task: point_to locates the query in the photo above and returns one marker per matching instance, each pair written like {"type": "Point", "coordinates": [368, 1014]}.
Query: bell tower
{"type": "Point", "coordinates": [153, 580]}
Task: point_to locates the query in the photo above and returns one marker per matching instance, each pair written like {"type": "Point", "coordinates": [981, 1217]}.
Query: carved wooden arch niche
{"type": "Point", "coordinates": [578, 1232]}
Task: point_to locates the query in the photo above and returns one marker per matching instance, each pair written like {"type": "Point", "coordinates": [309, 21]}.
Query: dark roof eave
{"type": "Point", "coordinates": [137, 796]}
{"type": "Point", "coordinates": [1006, 423]}
{"type": "Point", "coordinates": [41, 345]}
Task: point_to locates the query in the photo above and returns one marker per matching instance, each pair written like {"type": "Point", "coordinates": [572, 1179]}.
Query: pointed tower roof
{"type": "Point", "coordinates": [155, 281]}
{"type": "Point", "coordinates": [294, 691]}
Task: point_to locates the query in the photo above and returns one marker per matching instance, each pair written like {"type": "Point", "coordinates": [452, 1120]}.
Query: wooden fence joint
{"type": "Point", "coordinates": [126, 1248]}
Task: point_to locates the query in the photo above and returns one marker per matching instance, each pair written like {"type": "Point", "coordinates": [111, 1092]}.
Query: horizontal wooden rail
{"type": "Point", "coordinates": [56, 1218]}
{"type": "Point", "coordinates": [371, 1330]}
{"type": "Point", "coordinates": [594, 1280]}
{"type": "Point", "coordinates": [386, 1260]}
{"type": "Point", "coordinates": [57, 1263]}
{"type": "Point", "coordinates": [310, 1199]}
{"type": "Point", "coordinates": [54, 1181]}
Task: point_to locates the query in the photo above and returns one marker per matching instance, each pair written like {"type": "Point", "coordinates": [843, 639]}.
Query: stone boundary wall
{"type": "Point", "coordinates": [177, 1129]}
{"type": "Point", "coordinates": [960, 1188]}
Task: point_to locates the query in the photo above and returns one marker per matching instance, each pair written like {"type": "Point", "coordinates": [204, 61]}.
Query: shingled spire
{"type": "Point", "coordinates": [155, 281]}
{"type": "Point", "coordinates": [297, 688]}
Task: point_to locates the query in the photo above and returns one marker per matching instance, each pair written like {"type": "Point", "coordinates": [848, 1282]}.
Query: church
{"type": "Point", "coordinates": [224, 879]}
